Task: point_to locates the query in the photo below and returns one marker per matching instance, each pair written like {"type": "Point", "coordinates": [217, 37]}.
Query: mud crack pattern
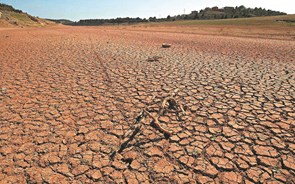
{"type": "Point", "coordinates": [68, 95]}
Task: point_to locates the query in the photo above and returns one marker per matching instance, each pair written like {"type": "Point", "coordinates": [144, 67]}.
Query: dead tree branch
{"type": "Point", "coordinates": [155, 123]}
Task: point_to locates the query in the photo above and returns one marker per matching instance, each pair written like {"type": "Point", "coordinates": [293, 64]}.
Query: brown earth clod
{"type": "Point", "coordinates": [154, 58]}
{"type": "Point", "coordinates": [166, 45]}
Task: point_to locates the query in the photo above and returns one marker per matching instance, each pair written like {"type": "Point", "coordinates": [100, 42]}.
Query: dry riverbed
{"type": "Point", "coordinates": [69, 96]}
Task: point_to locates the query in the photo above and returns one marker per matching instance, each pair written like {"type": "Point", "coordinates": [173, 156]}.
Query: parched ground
{"type": "Point", "coordinates": [69, 95]}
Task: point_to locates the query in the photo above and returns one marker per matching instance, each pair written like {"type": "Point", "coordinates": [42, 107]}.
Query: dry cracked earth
{"type": "Point", "coordinates": [69, 95]}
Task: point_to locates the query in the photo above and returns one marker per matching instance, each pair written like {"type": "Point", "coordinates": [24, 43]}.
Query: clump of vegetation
{"type": "Point", "coordinates": [205, 14]}
{"type": "Point", "coordinates": [226, 12]}
{"type": "Point", "coordinates": [14, 17]}
{"type": "Point", "coordinates": [5, 7]}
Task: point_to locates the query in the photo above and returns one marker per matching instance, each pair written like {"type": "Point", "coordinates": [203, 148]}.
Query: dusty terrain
{"type": "Point", "coordinates": [269, 27]}
{"type": "Point", "coordinates": [69, 95]}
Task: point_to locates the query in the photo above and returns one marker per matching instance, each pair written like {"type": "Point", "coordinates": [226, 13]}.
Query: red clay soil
{"type": "Point", "coordinates": [68, 95]}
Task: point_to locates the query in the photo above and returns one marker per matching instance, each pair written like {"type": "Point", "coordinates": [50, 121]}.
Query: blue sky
{"type": "Point", "coordinates": [84, 9]}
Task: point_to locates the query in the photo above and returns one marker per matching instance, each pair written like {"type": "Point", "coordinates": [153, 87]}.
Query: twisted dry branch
{"type": "Point", "coordinates": [169, 103]}
{"type": "Point", "coordinates": [155, 124]}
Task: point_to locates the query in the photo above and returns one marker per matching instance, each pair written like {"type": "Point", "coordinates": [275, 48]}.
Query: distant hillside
{"type": "Point", "coordinates": [11, 17]}
{"type": "Point", "coordinates": [205, 14]}
{"type": "Point", "coordinates": [62, 21]}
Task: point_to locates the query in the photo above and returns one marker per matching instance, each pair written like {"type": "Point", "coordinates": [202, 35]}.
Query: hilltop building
{"type": "Point", "coordinates": [215, 8]}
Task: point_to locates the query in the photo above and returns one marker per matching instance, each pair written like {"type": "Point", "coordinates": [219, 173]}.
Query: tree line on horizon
{"type": "Point", "coordinates": [204, 14]}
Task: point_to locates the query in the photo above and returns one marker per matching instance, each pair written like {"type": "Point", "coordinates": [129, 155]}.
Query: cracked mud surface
{"type": "Point", "coordinates": [68, 96]}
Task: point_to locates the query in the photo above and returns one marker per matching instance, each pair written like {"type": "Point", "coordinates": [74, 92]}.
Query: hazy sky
{"type": "Point", "coordinates": [83, 9]}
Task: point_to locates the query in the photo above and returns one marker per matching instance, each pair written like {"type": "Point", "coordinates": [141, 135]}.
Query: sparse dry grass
{"type": "Point", "coordinates": [254, 21]}
{"type": "Point", "coordinates": [262, 27]}
{"type": "Point", "coordinates": [10, 19]}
